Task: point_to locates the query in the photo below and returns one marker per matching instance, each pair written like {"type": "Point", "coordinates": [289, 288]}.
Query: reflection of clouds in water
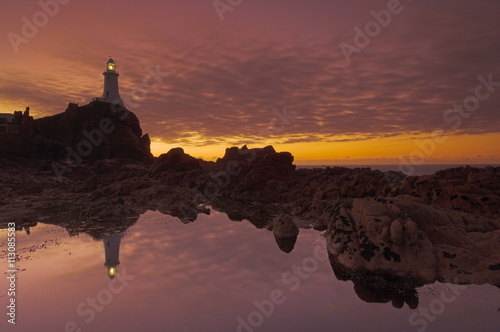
{"type": "Point", "coordinates": [202, 276]}
{"type": "Point", "coordinates": [212, 269]}
{"type": "Point", "coordinates": [207, 254]}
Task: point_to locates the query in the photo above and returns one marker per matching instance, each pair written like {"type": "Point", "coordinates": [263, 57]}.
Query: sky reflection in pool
{"type": "Point", "coordinates": [204, 276]}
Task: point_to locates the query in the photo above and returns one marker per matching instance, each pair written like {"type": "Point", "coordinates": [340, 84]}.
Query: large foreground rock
{"type": "Point", "coordinates": [408, 239]}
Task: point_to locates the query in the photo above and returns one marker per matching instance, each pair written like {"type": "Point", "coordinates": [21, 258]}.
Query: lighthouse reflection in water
{"type": "Point", "coordinates": [112, 253]}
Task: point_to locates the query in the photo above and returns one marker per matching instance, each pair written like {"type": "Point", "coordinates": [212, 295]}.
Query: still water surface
{"type": "Point", "coordinates": [210, 275]}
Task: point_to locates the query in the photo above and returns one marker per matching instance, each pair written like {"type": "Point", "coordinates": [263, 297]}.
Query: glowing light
{"type": "Point", "coordinates": [112, 272]}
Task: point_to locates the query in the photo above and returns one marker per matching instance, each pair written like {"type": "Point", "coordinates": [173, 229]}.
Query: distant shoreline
{"type": "Point", "coordinates": [426, 169]}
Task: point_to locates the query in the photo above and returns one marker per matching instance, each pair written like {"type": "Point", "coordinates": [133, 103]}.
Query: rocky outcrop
{"type": "Point", "coordinates": [466, 189]}
{"type": "Point", "coordinates": [251, 173]}
{"type": "Point", "coordinates": [380, 226]}
{"type": "Point", "coordinates": [82, 134]}
{"type": "Point", "coordinates": [411, 240]}
{"type": "Point", "coordinates": [174, 160]}
{"type": "Point", "coordinates": [90, 169]}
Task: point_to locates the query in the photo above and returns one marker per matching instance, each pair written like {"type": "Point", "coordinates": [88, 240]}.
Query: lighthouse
{"type": "Point", "coordinates": [112, 253]}
{"type": "Point", "coordinates": [111, 93]}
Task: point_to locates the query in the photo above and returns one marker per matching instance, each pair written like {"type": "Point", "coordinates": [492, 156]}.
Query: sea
{"type": "Point", "coordinates": [418, 170]}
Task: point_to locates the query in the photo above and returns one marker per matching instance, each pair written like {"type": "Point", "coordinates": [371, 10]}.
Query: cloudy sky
{"type": "Point", "coordinates": [322, 79]}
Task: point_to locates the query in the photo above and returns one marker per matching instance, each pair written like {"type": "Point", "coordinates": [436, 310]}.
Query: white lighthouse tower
{"type": "Point", "coordinates": [111, 93]}
{"type": "Point", "coordinates": [112, 253]}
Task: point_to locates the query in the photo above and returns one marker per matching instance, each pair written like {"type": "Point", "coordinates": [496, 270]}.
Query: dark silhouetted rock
{"type": "Point", "coordinates": [175, 160]}
{"type": "Point", "coordinates": [81, 134]}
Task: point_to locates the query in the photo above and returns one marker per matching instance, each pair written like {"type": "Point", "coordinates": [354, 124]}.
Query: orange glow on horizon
{"type": "Point", "coordinates": [460, 149]}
